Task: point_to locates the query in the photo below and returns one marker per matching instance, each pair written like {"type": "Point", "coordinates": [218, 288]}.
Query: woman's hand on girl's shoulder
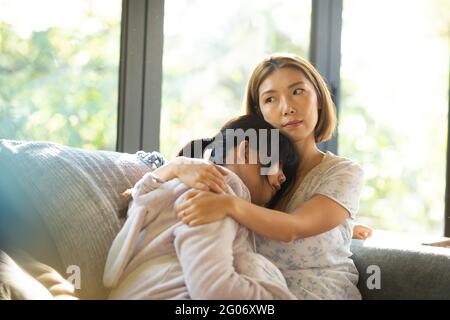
{"type": "Point", "coordinates": [201, 175]}
{"type": "Point", "coordinates": [195, 173]}
{"type": "Point", "coordinates": [201, 207]}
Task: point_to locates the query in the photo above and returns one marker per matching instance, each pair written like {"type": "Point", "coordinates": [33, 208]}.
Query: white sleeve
{"type": "Point", "coordinates": [206, 256]}
{"type": "Point", "coordinates": [343, 183]}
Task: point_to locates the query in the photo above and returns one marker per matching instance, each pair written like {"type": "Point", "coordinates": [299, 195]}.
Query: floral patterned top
{"type": "Point", "coordinates": [319, 267]}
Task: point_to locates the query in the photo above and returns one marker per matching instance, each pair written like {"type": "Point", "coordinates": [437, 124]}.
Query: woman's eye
{"type": "Point", "coordinates": [270, 100]}
{"type": "Point", "coordinates": [298, 91]}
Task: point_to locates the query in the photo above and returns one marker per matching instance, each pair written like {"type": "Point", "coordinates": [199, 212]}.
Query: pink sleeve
{"type": "Point", "coordinates": [122, 248]}
{"type": "Point", "coordinates": [124, 243]}
{"type": "Point", "coordinates": [206, 256]}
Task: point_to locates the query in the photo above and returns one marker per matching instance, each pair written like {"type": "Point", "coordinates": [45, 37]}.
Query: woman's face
{"type": "Point", "coordinates": [288, 101]}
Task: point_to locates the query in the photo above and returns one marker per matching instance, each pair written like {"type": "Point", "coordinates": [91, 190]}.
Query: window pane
{"type": "Point", "coordinates": [393, 119]}
{"type": "Point", "coordinates": [210, 48]}
{"type": "Point", "coordinates": [59, 71]}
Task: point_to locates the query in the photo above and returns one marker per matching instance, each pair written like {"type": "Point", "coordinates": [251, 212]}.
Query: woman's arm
{"type": "Point", "coordinates": [195, 173]}
{"type": "Point", "coordinates": [336, 199]}
{"type": "Point", "coordinates": [315, 216]}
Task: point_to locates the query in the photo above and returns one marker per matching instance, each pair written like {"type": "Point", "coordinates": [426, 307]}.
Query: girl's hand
{"type": "Point", "coordinates": [201, 207]}
{"type": "Point", "coordinates": [202, 176]}
{"type": "Point", "coordinates": [361, 231]}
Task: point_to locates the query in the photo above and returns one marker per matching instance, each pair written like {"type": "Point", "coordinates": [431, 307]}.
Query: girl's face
{"type": "Point", "coordinates": [262, 187]}
{"type": "Point", "coordinates": [288, 101]}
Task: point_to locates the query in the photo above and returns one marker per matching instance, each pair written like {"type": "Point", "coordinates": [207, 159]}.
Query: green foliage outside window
{"type": "Point", "coordinates": [61, 84]}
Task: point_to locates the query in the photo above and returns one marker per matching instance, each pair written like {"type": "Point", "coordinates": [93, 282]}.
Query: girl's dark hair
{"type": "Point", "coordinates": [288, 156]}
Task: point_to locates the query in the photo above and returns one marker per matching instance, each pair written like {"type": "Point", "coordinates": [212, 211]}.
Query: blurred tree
{"type": "Point", "coordinates": [394, 105]}
{"type": "Point", "coordinates": [207, 64]}
{"type": "Point", "coordinates": [61, 84]}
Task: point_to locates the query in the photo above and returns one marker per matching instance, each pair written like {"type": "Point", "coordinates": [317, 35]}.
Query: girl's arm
{"type": "Point", "coordinates": [315, 216]}
{"type": "Point", "coordinates": [209, 264]}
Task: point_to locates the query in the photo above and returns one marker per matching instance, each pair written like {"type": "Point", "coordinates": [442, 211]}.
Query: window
{"type": "Point", "coordinates": [59, 74]}
{"type": "Point", "coordinates": [394, 104]}
{"type": "Point", "coordinates": [59, 71]}
{"type": "Point", "coordinates": [210, 48]}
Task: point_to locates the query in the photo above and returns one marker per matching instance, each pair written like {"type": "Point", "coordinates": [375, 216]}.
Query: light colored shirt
{"type": "Point", "coordinates": [320, 267]}
{"type": "Point", "coordinates": [155, 256]}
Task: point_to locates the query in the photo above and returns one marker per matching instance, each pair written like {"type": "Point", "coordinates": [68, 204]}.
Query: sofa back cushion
{"type": "Point", "coordinates": [61, 205]}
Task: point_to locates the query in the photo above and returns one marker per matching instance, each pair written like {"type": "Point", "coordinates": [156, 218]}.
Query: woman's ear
{"type": "Point", "coordinates": [243, 152]}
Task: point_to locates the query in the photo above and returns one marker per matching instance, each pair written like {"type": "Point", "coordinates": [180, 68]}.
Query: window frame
{"type": "Point", "coordinates": [447, 176]}
{"type": "Point", "coordinates": [325, 52]}
{"type": "Point", "coordinates": [140, 74]}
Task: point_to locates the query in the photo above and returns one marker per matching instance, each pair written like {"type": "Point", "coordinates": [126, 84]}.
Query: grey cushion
{"type": "Point", "coordinates": [407, 270]}
{"type": "Point", "coordinates": [61, 205]}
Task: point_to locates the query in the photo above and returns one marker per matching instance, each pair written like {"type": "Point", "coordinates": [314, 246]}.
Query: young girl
{"type": "Point", "coordinates": [155, 256]}
{"type": "Point", "coordinates": [310, 244]}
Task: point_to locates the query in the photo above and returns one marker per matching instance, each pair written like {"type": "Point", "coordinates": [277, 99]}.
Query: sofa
{"type": "Point", "coordinates": [63, 206]}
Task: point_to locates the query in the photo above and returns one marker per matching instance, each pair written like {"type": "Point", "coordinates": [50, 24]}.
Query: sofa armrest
{"type": "Point", "coordinates": [406, 269]}
{"type": "Point", "coordinates": [61, 205]}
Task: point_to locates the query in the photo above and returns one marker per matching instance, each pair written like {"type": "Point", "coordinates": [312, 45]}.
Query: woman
{"type": "Point", "coordinates": [155, 256]}
{"type": "Point", "coordinates": [311, 244]}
